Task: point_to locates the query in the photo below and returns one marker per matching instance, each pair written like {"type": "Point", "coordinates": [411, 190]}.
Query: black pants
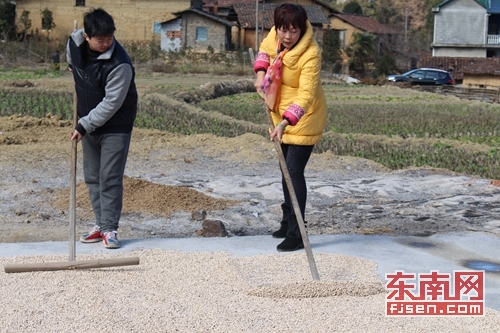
{"type": "Point", "coordinates": [296, 160]}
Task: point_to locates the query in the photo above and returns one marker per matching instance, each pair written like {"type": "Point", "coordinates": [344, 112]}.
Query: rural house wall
{"type": "Point", "coordinates": [338, 24]}
{"type": "Point", "coordinates": [134, 19]}
{"type": "Point", "coordinates": [459, 30]}
{"type": "Point", "coordinates": [171, 34]}
{"type": "Point", "coordinates": [216, 33]}
{"type": "Point", "coordinates": [489, 81]}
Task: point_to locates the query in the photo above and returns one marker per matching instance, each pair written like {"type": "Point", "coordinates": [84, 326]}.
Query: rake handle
{"type": "Point", "coordinates": [72, 194]}
{"type": "Point", "coordinates": [293, 197]}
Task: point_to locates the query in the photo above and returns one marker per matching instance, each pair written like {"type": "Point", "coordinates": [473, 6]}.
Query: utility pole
{"type": "Point", "coordinates": [256, 26]}
{"type": "Point", "coordinates": [262, 25]}
{"type": "Point", "coordinates": [406, 26]}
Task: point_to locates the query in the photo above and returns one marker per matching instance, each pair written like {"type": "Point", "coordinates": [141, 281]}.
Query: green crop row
{"type": "Point", "coordinates": [415, 120]}
{"type": "Point", "coordinates": [398, 134]}
{"type": "Point", "coordinates": [160, 115]}
{"type": "Point", "coordinates": [247, 106]}
{"type": "Point", "coordinates": [36, 103]}
{"type": "Point", "coordinates": [479, 124]}
{"type": "Point", "coordinates": [21, 74]}
{"type": "Point", "coordinates": [400, 154]}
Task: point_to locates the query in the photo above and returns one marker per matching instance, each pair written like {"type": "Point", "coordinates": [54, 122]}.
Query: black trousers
{"type": "Point", "coordinates": [296, 158]}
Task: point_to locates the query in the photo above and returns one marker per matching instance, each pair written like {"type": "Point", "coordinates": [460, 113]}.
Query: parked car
{"type": "Point", "coordinates": [424, 76]}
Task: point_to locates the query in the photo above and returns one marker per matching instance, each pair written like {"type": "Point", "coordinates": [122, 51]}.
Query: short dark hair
{"type": "Point", "coordinates": [97, 22]}
{"type": "Point", "coordinates": [289, 15]}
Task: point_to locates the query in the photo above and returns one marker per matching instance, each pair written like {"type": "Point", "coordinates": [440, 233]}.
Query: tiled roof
{"type": "Point", "coordinates": [485, 66]}
{"type": "Point", "coordinates": [366, 23]}
{"type": "Point", "coordinates": [230, 3]}
{"type": "Point", "coordinates": [483, 3]}
{"type": "Point", "coordinates": [226, 3]}
{"type": "Point", "coordinates": [458, 66]}
{"type": "Point", "coordinates": [205, 14]}
{"type": "Point", "coordinates": [246, 15]}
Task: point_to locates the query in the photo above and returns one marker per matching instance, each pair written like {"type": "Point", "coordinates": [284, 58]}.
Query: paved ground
{"type": "Point", "coordinates": [442, 252]}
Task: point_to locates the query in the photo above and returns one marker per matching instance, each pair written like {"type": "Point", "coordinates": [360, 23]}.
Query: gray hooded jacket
{"type": "Point", "coordinates": [106, 93]}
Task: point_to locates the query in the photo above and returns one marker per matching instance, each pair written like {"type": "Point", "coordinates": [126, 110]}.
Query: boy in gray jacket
{"type": "Point", "coordinates": [107, 107]}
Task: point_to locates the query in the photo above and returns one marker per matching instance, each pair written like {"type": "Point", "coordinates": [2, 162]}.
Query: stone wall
{"type": "Point", "coordinates": [216, 33]}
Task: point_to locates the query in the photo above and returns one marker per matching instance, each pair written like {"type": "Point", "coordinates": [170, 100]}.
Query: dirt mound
{"type": "Point", "coordinates": [141, 196]}
{"type": "Point", "coordinates": [17, 130]}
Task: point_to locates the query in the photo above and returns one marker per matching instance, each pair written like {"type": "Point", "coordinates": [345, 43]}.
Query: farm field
{"type": "Point", "coordinates": [390, 161]}
{"type": "Point", "coordinates": [395, 127]}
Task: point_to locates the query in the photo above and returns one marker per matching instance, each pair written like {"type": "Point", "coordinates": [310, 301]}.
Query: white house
{"type": "Point", "coordinates": [467, 28]}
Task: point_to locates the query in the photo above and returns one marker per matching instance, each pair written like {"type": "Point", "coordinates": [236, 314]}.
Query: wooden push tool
{"type": "Point", "coordinates": [71, 264]}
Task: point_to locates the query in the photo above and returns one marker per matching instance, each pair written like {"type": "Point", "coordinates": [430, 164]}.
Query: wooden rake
{"type": "Point", "coordinates": [71, 264]}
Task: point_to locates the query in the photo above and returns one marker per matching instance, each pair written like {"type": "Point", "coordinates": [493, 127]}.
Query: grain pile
{"type": "Point", "coordinates": [291, 278]}
{"type": "Point", "coordinates": [146, 197]}
{"type": "Point", "coordinates": [204, 292]}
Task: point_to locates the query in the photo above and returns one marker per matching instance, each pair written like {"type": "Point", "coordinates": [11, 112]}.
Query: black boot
{"type": "Point", "coordinates": [290, 244]}
{"type": "Point", "coordinates": [281, 232]}
{"type": "Point", "coordinates": [293, 238]}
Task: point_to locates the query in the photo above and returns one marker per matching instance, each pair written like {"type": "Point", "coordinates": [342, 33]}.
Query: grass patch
{"type": "Point", "coordinates": [26, 74]}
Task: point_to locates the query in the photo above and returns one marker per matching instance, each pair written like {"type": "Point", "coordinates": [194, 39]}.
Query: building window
{"type": "Point", "coordinates": [342, 34]}
{"type": "Point", "coordinates": [47, 19]}
{"type": "Point", "coordinates": [157, 27]}
{"type": "Point", "coordinates": [80, 3]}
{"type": "Point", "coordinates": [46, 24]}
{"type": "Point", "coordinates": [492, 29]}
{"type": "Point", "coordinates": [201, 33]}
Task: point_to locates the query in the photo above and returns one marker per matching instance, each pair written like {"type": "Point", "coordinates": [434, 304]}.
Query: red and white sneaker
{"type": "Point", "coordinates": [110, 240]}
{"type": "Point", "coordinates": [92, 236]}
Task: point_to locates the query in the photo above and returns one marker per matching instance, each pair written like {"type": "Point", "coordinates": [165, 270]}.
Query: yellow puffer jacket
{"type": "Point", "coordinates": [301, 91]}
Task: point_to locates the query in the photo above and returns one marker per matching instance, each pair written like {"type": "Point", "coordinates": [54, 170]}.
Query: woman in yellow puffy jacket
{"type": "Point", "coordinates": [288, 65]}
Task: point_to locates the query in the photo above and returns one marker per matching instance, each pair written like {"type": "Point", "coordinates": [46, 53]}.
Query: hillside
{"type": "Point", "coordinates": [417, 11]}
{"type": "Point", "coordinates": [394, 12]}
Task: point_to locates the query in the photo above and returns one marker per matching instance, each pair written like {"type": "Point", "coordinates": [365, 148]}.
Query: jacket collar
{"type": "Point", "coordinates": [294, 54]}
{"type": "Point", "coordinates": [79, 38]}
